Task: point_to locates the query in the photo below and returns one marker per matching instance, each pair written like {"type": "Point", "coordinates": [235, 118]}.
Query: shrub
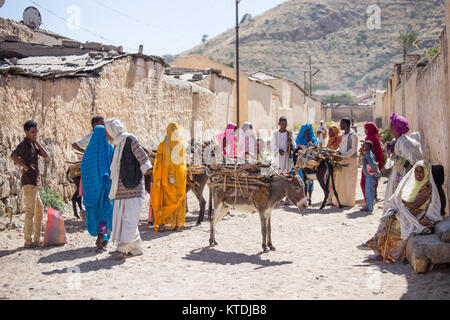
{"type": "Point", "coordinates": [342, 99]}
{"type": "Point", "coordinates": [385, 136]}
{"type": "Point", "coordinates": [431, 53]}
{"type": "Point", "coordinates": [51, 199]}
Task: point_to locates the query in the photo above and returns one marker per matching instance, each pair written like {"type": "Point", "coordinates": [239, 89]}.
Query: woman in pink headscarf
{"type": "Point", "coordinates": [227, 140]}
{"type": "Point", "coordinates": [403, 153]}
{"type": "Point", "coordinates": [373, 135]}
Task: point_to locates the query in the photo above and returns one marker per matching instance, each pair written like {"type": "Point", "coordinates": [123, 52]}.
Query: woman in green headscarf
{"type": "Point", "coordinates": [416, 208]}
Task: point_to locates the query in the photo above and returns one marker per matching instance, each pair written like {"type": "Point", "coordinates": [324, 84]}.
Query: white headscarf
{"type": "Point", "coordinates": [247, 142]}
{"type": "Point", "coordinates": [118, 132]}
{"type": "Point", "coordinates": [408, 222]}
{"type": "Point", "coordinates": [408, 147]}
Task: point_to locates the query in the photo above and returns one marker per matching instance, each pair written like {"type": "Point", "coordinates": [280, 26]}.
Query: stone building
{"type": "Point", "coordinates": [62, 90]}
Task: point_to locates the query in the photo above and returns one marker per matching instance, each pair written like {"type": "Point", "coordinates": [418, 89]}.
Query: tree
{"type": "Point", "coordinates": [408, 39]}
{"type": "Point", "coordinates": [204, 38]}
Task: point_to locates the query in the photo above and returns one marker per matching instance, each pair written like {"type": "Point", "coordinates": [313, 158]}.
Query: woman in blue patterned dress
{"type": "Point", "coordinates": [95, 175]}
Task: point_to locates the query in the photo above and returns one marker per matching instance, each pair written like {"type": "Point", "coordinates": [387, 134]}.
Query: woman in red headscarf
{"type": "Point", "coordinates": [373, 135]}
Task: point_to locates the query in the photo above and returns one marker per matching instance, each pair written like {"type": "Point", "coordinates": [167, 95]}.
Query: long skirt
{"type": "Point", "coordinates": [125, 225]}
{"type": "Point", "coordinates": [346, 180]}
{"type": "Point", "coordinates": [387, 241]}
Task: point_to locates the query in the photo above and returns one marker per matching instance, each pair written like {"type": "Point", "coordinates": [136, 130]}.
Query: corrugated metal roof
{"type": "Point", "coordinates": [60, 66]}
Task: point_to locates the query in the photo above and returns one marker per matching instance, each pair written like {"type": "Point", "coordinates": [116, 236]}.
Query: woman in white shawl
{"type": "Point", "coordinates": [403, 152]}
{"type": "Point", "coordinates": [416, 208]}
{"type": "Point", "coordinates": [247, 143]}
{"type": "Point", "coordinates": [129, 164]}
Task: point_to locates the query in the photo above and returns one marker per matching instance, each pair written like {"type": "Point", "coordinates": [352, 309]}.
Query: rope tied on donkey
{"type": "Point", "coordinates": [246, 179]}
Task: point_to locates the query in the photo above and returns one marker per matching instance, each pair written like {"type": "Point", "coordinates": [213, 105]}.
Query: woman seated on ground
{"type": "Point", "coordinates": [416, 208]}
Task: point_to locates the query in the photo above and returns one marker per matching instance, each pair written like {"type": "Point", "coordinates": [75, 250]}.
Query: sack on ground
{"type": "Point", "coordinates": [55, 231]}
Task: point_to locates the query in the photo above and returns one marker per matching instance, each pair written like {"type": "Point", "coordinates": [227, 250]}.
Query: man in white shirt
{"type": "Point", "coordinates": [322, 134]}
{"type": "Point", "coordinates": [282, 146]}
{"type": "Point", "coordinates": [346, 178]}
{"type": "Point", "coordinates": [82, 144]}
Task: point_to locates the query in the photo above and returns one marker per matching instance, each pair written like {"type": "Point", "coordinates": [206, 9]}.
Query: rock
{"type": "Point", "coordinates": [12, 38]}
{"type": "Point", "coordinates": [442, 230]}
{"type": "Point", "coordinates": [423, 252]}
{"type": "Point", "coordinates": [5, 189]}
{"type": "Point", "coordinates": [71, 44]}
{"type": "Point", "coordinates": [93, 46]}
{"type": "Point", "coordinates": [113, 53]}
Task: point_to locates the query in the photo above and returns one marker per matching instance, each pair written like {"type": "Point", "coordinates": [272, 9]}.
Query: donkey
{"type": "Point", "coordinates": [323, 174]}
{"type": "Point", "coordinates": [196, 185]}
{"type": "Point", "coordinates": [76, 199]}
{"type": "Point", "coordinates": [281, 186]}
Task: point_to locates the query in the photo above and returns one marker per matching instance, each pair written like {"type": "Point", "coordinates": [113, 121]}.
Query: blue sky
{"type": "Point", "coordinates": [162, 26]}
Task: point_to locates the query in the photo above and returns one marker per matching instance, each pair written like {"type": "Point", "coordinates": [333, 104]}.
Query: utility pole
{"type": "Point", "coordinates": [310, 76]}
{"type": "Point", "coordinates": [237, 62]}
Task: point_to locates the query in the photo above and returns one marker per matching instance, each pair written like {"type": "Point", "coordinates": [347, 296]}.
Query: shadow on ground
{"type": "Point", "coordinates": [212, 255]}
{"type": "Point", "coordinates": [313, 209]}
{"type": "Point", "coordinates": [69, 255]}
{"type": "Point", "coordinates": [358, 214]}
{"type": "Point", "coordinates": [148, 232]}
{"type": "Point", "coordinates": [420, 286]}
{"type": "Point", "coordinates": [88, 266]}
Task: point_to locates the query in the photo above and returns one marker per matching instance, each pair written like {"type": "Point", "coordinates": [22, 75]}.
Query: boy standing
{"type": "Point", "coordinates": [26, 156]}
{"type": "Point", "coordinates": [371, 171]}
{"type": "Point", "coordinates": [282, 147]}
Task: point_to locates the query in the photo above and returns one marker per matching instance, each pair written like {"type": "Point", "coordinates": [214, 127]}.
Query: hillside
{"type": "Point", "coordinates": [335, 33]}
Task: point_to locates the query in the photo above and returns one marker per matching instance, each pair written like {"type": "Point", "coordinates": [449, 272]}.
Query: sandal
{"type": "Point", "coordinates": [118, 255]}
{"type": "Point", "coordinates": [99, 242]}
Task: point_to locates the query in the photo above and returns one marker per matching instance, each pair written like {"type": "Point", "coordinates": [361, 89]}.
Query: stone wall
{"type": "Point", "coordinates": [13, 28]}
{"type": "Point", "coordinates": [132, 89]}
{"type": "Point", "coordinates": [360, 114]}
{"type": "Point", "coordinates": [427, 104]}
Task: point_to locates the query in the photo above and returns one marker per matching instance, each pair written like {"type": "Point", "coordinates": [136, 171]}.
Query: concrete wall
{"type": "Point", "coordinates": [131, 89]}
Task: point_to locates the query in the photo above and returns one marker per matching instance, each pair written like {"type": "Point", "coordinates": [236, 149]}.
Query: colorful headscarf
{"type": "Point", "coordinates": [419, 184]}
{"type": "Point", "coordinates": [247, 142]}
{"type": "Point", "coordinates": [373, 135]}
{"type": "Point", "coordinates": [95, 176]}
{"type": "Point", "coordinates": [301, 138]}
{"type": "Point", "coordinates": [169, 178]}
{"type": "Point", "coordinates": [335, 137]}
{"type": "Point", "coordinates": [230, 138]}
{"type": "Point", "coordinates": [400, 124]}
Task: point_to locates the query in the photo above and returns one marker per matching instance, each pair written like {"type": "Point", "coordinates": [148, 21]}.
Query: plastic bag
{"type": "Point", "coordinates": [55, 231]}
